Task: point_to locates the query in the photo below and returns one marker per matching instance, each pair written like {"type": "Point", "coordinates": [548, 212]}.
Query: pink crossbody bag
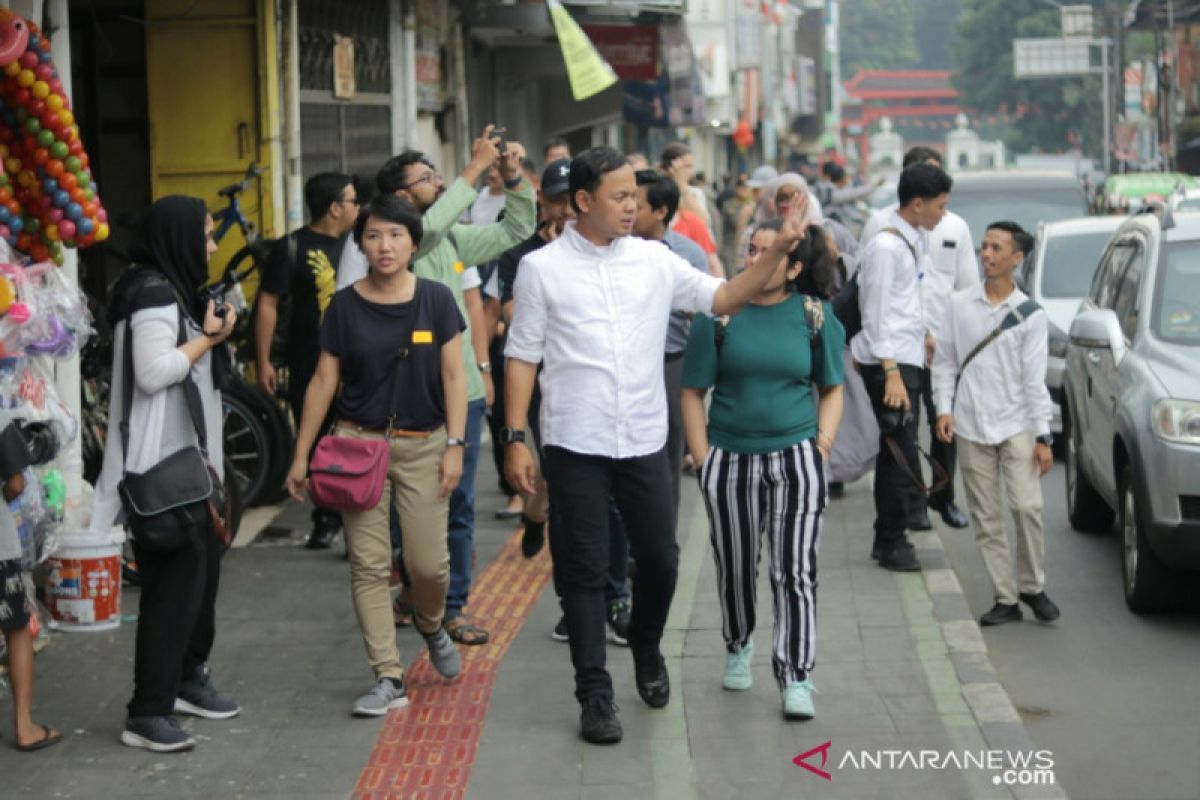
{"type": "Point", "coordinates": [348, 474]}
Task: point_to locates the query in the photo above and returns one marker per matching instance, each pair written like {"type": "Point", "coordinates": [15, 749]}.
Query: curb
{"type": "Point", "coordinates": [996, 716]}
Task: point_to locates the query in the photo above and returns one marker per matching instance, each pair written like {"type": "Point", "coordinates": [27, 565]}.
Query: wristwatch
{"type": "Point", "coordinates": [1046, 439]}
{"type": "Point", "coordinates": [511, 435]}
{"type": "Point", "coordinates": [484, 366]}
{"type": "Point", "coordinates": [454, 441]}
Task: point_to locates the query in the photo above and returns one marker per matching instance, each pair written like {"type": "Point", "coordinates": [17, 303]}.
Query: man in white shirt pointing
{"type": "Point", "coordinates": [989, 377]}
{"type": "Point", "coordinates": [593, 307]}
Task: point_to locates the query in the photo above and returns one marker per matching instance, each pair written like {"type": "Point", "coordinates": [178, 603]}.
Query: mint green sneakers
{"type": "Point", "coordinates": [737, 676]}
{"type": "Point", "coordinates": [797, 700]}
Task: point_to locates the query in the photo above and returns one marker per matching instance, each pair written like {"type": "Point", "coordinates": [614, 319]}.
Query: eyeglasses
{"type": "Point", "coordinates": [428, 177]}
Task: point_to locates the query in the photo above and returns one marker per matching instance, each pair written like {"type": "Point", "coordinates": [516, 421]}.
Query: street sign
{"type": "Point", "coordinates": [1052, 57]}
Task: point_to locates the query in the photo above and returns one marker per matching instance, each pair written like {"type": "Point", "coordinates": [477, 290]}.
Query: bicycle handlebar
{"type": "Point", "coordinates": [252, 171]}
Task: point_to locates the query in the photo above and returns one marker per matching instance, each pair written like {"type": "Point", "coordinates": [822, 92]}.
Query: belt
{"type": "Point", "coordinates": [391, 433]}
{"type": "Point", "coordinates": [669, 357]}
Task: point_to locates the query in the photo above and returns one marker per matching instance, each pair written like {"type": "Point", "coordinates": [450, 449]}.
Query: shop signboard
{"type": "Point", "coordinates": [674, 98]}
{"type": "Point", "coordinates": [427, 57]}
{"type": "Point", "coordinates": [631, 50]}
{"type": "Point", "coordinates": [343, 67]}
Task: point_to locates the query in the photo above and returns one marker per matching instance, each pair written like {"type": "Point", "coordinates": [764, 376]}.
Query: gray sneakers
{"type": "Point", "coordinates": [385, 696]}
{"type": "Point", "coordinates": [156, 734]}
{"type": "Point", "coordinates": [197, 696]}
{"type": "Point", "coordinates": [443, 654]}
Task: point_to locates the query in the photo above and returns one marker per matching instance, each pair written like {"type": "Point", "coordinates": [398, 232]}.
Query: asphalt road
{"type": "Point", "coordinates": [1114, 696]}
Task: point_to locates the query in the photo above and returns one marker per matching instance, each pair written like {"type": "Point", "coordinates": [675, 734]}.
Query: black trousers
{"type": "Point", "coordinates": [939, 451]}
{"type": "Point", "coordinates": [673, 378]}
{"type": "Point", "coordinates": [176, 621]}
{"type": "Point", "coordinates": [895, 493]}
{"type": "Point", "coordinates": [581, 488]}
{"type": "Point", "coordinates": [495, 418]}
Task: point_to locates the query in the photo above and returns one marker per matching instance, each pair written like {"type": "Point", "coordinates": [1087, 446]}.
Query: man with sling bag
{"type": "Point", "coordinates": [989, 379]}
{"type": "Point", "coordinates": [889, 351]}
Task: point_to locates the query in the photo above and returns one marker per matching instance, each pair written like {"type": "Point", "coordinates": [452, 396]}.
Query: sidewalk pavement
{"type": "Point", "coordinates": [901, 669]}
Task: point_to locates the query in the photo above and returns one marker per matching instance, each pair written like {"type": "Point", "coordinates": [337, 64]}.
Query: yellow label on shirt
{"type": "Point", "coordinates": [459, 266]}
{"type": "Point", "coordinates": [422, 337]}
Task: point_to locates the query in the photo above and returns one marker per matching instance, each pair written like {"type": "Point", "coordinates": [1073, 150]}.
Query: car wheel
{"type": "Point", "coordinates": [1086, 509]}
{"type": "Point", "coordinates": [1149, 584]}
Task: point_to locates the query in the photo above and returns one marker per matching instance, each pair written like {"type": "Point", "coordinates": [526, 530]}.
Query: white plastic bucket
{"type": "Point", "coordinates": [83, 583]}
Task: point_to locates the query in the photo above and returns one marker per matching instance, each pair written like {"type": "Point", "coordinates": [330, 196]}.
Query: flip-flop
{"type": "Point", "coordinates": [48, 739]}
{"type": "Point", "coordinates": [464, 632]}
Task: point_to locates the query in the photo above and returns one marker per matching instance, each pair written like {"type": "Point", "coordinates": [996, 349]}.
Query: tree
{"type": "Point", "coordinates": [877, 34]}
{"type": "Point", "coordinates": [1044, 114]}
{"type": "Point", "coordinates": [934, 24]}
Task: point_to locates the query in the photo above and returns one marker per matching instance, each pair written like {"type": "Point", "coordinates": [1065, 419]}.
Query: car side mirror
{"type": "Point", "coordinates": [1099, 330]}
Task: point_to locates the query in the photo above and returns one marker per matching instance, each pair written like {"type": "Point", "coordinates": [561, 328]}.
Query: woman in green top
{"type": "Point", "coordinates": [763, 449]}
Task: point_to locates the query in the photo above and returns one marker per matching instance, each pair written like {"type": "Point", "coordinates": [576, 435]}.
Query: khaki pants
{"type": "Point", "coordinates": [982, 467]}
{"type": "Point", "coordinates": [413, 479]}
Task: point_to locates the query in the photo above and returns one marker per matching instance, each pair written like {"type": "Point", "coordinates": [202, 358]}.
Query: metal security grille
{"type": "Point", "coordinates": [344, 138]}
{"type": "Point", "coordinates": [365, 21]}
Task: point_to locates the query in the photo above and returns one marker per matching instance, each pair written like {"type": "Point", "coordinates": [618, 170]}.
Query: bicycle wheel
{"type": "Point", "coordinates": [280, 436]}
{"type": "Point", "coordinates": [237, 502]}
{"type": "Point", "coordinates": [247, 445]}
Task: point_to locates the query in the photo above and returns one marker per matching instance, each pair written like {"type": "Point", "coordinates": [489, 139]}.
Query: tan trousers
{"type": "Point", "coordinates": [413, 479]}
{"type": "Point", "coordinates": [982, 467]}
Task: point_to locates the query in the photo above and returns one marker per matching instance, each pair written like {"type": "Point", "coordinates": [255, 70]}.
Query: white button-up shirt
{"type": "Point", "coordinates": [949, 264]}
{"type": "Point", "coordinates": [890, 299]}
{"type": "Point", "coordinates": [1002, 392]}
{"type": "Point", "coordinates": [596, 317]}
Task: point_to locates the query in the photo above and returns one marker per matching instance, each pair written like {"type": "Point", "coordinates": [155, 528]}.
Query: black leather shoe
{"type": "Point", "coordinates": [598, 724]}
{"type": "Point", "coordinates": [1000, 614]}
{"type": "Point", "coordinates": [901, 558]}
{"type": "Point", "coordinates": [650, 675]}
{"type": "Point", "coordinates": [1042, 606]}
{"type": "Point", "coordinates": [322, 537]}
{"type": "Point", "coordinates": [952, 515]}
{"type": "Point", "coordinates": [533, 538]}
{"type": "Point", "coordinates": [919, 521]}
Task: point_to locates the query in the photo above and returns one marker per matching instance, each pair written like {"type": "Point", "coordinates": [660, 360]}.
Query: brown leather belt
{"type": "Point", "coordinates": [393, 433]}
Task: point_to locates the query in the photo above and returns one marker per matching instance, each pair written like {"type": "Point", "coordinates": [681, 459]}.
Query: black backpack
{"type": "Point", "coordinates": [846, 303]}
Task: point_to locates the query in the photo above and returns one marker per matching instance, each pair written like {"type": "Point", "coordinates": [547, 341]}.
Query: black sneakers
{"type": "Point", "coordinates": [1000, 614]}
{"type": "Point", "coordinates": [156, 734]}
{"type": "Point", "coordinates": [1043, 607]}
{"type": "Point", "coordinates": [901, 558]}
{"type": "Point", "coordinates": [198, 697]}
{"type": "Point", "coordinates": [598, 723]}
{"type": "Point", "coordinates": [650, 675]}
{"type": "Point", "coordinates": [952, 515]}
{"type": "Point", "coordinates": [559, 634]}
{"type": "Point", "coordinates": [322, 535]}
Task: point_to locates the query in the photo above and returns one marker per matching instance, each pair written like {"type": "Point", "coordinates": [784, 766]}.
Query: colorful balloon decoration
{"type": "Point", "coordinates": [48, 197]}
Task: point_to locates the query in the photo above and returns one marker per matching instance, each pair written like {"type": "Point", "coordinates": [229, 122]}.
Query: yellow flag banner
{"type": "Point", "coordinates": [587, 70]}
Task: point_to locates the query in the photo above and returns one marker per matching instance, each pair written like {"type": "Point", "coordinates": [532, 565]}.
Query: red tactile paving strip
{"type": "Point", "coordinates": [426, 751]}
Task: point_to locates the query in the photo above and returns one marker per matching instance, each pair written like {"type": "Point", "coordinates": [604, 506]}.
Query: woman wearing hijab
{"type": "Point", "coordinates": [176, 619]}
{"type": "Point", "coordinates": [776, 198]}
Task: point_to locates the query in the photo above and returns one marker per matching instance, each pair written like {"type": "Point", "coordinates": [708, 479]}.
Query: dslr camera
{"type": "Point", "coordinates": [217, 295]}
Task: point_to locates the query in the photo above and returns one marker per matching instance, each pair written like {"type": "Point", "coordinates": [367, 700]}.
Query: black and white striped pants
{"type": "Point", "coordinates": [784, 494]}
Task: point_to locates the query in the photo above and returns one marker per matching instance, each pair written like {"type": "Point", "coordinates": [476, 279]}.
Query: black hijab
{"type": "Point", "coordinates": [170, 257]}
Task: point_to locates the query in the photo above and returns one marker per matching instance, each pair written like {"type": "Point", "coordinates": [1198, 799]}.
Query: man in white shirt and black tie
{"type": "Point", "coordinates": [890, 352]}
{"type": "Point", "coordinates": [989, 377]}
{"type": "Point", "coordinates": [592, 306]}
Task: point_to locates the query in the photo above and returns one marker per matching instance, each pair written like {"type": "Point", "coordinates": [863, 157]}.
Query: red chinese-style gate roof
{"type": "Point", "coordinates": [916, 84]}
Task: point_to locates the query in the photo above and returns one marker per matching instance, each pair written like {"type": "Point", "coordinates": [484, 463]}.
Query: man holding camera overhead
{"type": "Point", "coordinates": [890, 351]}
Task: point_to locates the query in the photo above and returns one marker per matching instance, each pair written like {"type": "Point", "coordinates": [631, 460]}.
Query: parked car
{"type": "Point", "coordinates": [1057, 275]}
{"type": "Point", "coordinates": [1131, 190]}
{"type": "Point", "coordinates": [1132, 391]}
{"type": "Point", "coordinates": [1028, 197]}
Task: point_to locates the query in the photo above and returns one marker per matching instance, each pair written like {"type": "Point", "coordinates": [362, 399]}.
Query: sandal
{"type": "Point", "coordinates": [49, 738]}
{"type": "Point", "coordinates": [463, 631]}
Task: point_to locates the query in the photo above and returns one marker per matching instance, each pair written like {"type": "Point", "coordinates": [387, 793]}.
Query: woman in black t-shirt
{"type": "Point", "coordinates": [366, 328]}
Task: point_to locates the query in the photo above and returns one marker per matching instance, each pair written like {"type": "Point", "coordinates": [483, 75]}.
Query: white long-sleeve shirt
{"type": "Point", "coordinates": [1002, 392]}
{"type": "Point", "coordinates": [949, 266]}
{"type": "Point", "coordinates": [160, 421]}
{"type": "Point", "coordinates": [890, 299]}
{"type": "Point", "coordinates": [596, 317]}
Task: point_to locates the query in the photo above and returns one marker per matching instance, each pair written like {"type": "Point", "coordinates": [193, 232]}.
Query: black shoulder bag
{"type": "Point", "coordinates": [171, 505]}
{"type": "Point", "coordinates": [846, 303]}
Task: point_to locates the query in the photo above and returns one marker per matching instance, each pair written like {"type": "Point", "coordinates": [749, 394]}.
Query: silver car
{"type": "Point", "coordinates": [1057, 275]}
{"type": "Point", "coordinates": [1132, 389]}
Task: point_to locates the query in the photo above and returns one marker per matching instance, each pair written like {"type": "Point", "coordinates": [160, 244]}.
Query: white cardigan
{"type": "Point", "coordinates": [161, 424]}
